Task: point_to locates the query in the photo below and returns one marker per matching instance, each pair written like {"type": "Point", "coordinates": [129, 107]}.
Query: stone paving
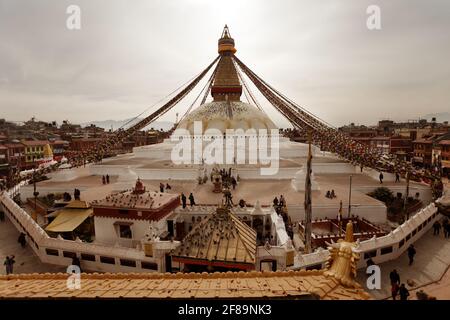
{"type": "Point", "coordinates": [26, 260]}
{"type": "Point", "coordinates": [431, 263]}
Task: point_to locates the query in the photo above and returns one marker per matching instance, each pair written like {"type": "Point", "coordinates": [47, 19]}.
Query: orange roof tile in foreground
{"type": "Point", "coordinates": [336, 282]}
{"type": "Point", "coordinates": [280, 284]}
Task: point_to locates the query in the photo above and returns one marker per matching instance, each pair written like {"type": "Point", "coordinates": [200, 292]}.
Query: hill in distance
{"type": "Point", "coordinates": [116, 124]}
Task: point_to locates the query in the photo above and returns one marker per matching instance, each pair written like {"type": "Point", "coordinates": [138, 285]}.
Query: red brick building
{"type": "Point", "coordinates": [82, 144]}
{"type": "Point", "coordinates": [401, 146]}
{"type": "Point", "coordinates": [445, 156]}
{"type": "Point", "coordinates": [423, 152]}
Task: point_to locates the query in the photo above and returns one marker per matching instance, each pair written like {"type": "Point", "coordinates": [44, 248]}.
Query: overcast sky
{"type": "Point", "coordinates": [130, 54]}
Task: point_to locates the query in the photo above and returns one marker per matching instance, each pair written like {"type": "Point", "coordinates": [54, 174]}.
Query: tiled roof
{"type": "Point", "coordinates": [35, 142]}
{"type": "Point", "coordinates": [221, 237]}
{"type": "Point", "coordinates": [288, 284]}
{"type": "Point", "coordinates": [127, 199]}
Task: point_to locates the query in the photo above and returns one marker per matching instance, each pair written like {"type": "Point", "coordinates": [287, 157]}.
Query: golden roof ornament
{"type": "Point", "coordinates": [48, 153]}
{"type": "Point", "coordinates": [342, 261]}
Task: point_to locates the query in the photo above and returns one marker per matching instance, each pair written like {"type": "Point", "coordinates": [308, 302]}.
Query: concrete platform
{"type": "Point", "coordinates": [26, 260]}
{"type": "Point", "coordinates": [431, 263]}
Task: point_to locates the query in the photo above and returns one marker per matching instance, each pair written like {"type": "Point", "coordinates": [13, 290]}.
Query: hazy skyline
{"type": "Point", "coordinates": [128, 55]}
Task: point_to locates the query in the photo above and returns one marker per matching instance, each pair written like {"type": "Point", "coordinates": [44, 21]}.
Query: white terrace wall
{"type": "Point", "coordinates": [93, 257]}
{"type": "Point", "coordinates": [373, 213]}
{"type": "Point", "coordinates": [382, 249]}
{"type": "Point", "coordinates": [55, 251]}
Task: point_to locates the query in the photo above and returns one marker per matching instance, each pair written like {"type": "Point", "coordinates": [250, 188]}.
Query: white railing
{"type": "Point", "coordinates": [60, 251]}
{"type": "Point", "coordinates": [385, 248]}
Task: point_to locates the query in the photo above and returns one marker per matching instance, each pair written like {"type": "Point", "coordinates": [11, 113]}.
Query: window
{"type": "Point", "coordinates": [414, 232]}
{"type": "Point", "coordinates": [107, 260]}
{"type": "Point", "coordinates": [128, 263]}
{"type": "Point", "coordinates": [68, 254]}
{"type": "Point", "coordinates": [52, 252]}
{"type": "Point", "coordinates": [408, 237]}
{"type": "Point", "coordinates": [386, 250]}
{"type": "Point", "coordinates": [87, 257]}
{"type": "Point", "coordinates": [149, 265]}
{"type": "Point", "coordinates": [401, 243]}
{"type": "Point", "coordinates": [125, 231]}
{"type": "Point", "coordinates": [370, 254]}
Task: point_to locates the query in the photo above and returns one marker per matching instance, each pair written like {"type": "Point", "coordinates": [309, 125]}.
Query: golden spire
{"type": "Point", "coordinates": [349, 232]}
{"type": "Point", "coordinates": [226, 42]}
{"type": "Point", "coordinates": [226, 83]}
{"type": "Point", "coordinates": [343, 259]}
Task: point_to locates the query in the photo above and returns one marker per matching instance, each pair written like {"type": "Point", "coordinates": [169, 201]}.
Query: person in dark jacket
{"type": "Point", "coordinates": [9, 264]}
{"type": "Point", "coordinates": [411, 254]}
{"type": "Point", "coordinates": [183, 200]}
{"type": "Point", "coordinates": [191, 199]}
{"type": "Point", "coordinates": [22, 240]}
{"type": "Point", "coordinates": [436, 228]}
{"type": "Point", "coordinates": [404, 293]}
{"type": "Point", "coordinates": [394, 277]}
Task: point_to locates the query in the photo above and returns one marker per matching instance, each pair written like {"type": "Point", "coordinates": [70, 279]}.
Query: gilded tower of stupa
{"type": "Point", "coordinates": [227, 111]}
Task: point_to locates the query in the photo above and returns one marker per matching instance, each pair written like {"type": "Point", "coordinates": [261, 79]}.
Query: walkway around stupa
{"type": "Point", "coordinates": [430, 264]}
{"type": "Point", "coordinates": [26, 260]}
{"type": "Point", "coordinates": [429, 272]}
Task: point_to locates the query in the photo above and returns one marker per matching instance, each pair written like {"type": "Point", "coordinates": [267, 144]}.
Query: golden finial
{"type": "Point", "coordinates": [349, 232]}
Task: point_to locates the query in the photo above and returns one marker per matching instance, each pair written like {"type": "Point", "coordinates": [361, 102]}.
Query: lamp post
{"type": "Point", "coordinates": [405, 201]}
{"type": "Point", "coordinates": [35, 194]}
{"type": "Point", "coordinates": [350, 197]}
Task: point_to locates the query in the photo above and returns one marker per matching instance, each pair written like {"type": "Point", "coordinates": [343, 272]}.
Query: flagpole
{"type": "Point", "coordinates": [350, 197]}
{"type": "Point", "coordinates": [307, 204]}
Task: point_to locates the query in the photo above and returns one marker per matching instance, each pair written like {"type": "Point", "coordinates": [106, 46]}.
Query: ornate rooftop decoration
{"type": "Point", "coordinates": [220, 238]}
{"type": "Point", "coordinates": [343, 259]}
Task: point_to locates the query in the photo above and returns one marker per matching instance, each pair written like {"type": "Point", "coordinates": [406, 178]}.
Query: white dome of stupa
{"type": "Point", "coordinates": [224, 115]}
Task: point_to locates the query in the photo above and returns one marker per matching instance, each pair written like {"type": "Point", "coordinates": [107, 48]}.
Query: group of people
{"type": "Point", "coordinates": [184, 199]}
{"type": "Point", "coordinates": [445, 226]}
{"type": "Point", "coordinates": [226, 176]}
{"type": "Point", "coordinates": [279, 203]}
{"type": "Point", "coordinates": [398, 288]}
{"type": "Point", "coordinates": [105, 179]}
{"type": "Point", "coordinates": [330, 194]}
{"type": "Point", "coordinates": [161, 187]}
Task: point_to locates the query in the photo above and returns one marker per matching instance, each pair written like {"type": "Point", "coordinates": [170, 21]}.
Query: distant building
{"type": "Point", "coordinates": [34, 150]}
{"type": "Point", "coordinates": [382, 144]}
{"type": "Point", "coordinates": [402, 147]}
{"type": "Point", "coordinates": [82, 144]}
{"type": "Point", "coordinates": [423, 151]}
{"type": "Point", "coordinates": [445, 156]}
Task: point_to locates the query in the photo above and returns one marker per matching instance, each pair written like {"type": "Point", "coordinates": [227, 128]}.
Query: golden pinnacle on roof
{"type": "Point", "coordinates": [226, 42]}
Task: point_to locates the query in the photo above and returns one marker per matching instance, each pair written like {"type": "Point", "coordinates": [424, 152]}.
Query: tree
{"type": "Point", "coordinates": [383, 194]}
